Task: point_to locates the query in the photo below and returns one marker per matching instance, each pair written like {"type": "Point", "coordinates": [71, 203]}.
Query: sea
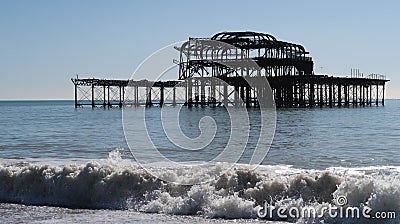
{"type": "Point", "coordinates": [61, 164]}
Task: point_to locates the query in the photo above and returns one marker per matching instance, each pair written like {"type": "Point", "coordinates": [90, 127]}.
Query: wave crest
{"type": "Point", "coordinates": [237, 193]}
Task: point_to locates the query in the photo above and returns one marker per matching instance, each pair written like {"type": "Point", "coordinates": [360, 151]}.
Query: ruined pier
{"type": "Point", "coordinates": [219, 71]}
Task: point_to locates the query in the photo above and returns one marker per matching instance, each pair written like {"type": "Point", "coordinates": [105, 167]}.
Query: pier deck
{"type": "Point", "coordinates": [289, 92]}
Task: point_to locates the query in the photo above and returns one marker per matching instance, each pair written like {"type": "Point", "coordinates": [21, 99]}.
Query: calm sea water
{"type": "Point", "coordinates": [39, 140]}
{"type": "Point", "coordinates": [304, 138]}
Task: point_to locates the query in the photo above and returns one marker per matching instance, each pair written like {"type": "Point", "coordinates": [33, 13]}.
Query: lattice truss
{"type": "Point", "coordinates": [84, 94]}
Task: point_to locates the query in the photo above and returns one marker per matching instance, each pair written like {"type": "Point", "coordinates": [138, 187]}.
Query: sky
{"type": "Point", "coordinates": [45, 43]}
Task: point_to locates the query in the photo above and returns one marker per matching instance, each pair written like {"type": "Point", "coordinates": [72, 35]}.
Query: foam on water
{"type": "Point", "coordinates": [238, 193]}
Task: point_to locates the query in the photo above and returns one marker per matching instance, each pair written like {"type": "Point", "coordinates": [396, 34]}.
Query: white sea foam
{"type": "Point", "coordinates": [116, 183]}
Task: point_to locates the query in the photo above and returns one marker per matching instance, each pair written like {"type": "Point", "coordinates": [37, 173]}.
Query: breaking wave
{"type": "Point", "coordinates": [238, 193]}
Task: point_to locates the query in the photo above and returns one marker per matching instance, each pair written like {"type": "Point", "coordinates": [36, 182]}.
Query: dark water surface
{"type": "Point", "coordinates": [306, 138]}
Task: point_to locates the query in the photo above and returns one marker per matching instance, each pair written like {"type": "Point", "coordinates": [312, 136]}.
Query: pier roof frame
{"type": "Point", "coordinates": [246, 34]}
{"type": "Point", "coordinates": [255, 40]}
{"type": "Point", "coordinates": [273, 57]}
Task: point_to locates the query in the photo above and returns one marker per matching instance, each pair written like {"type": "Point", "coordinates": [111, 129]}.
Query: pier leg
{"type": "Point", "coordinates": [196, 92]}
{"type": "Point", "coordinates": [93, 96]}
{"type": "Point", "coordinates": [321, 96]}
{"type": "Point", "coordinates": [326, 94]}
{"type": "Point", "coordinates": [290, 94]}
{"type": "Point", "coordinates": [148, 100]}
{"type": "Point", "coordinates": [339, 95]}
{"type": "Point", "coordinates": [330, 95]}
{"type": "Point", "coordinates": [120, 97]}
{"type": "Point", "coordinates": [136, 93]}
{"type": "Point", "coordinates": [104, 96]}
{"type": "Point", "coordinates": [225, 95]}
{"type": "Point", "coordinates": [370, 95]}
{"type": "Point", "coordinates": [161, 96]}
{"type": "Point", "coordinates": [202, 92]}
{"type": "Point", "coordinates": [363, 95]}
{"type": "Point", "coordinates": [295, 94]}
{"type": "Point", "coordinates": [357, 95]}
{"type": "Point", "coordinates": [248, 93]}
{"type": "Point", "coordinates": [312, 95]}
{"type": "Point", "coordinates": [76, 96]}
{"type": "Point", "coordinates": [123, 95]}
{"type": "Point", "coordinates": [174, 96]}
{"type": "Point", "coordinates": [108, 96]}
{"type": "Point", "coordinates": [189, 93]}
{"type": "Point", "coordinates": [212, 94]}
{"type": "Point", "coordinates": [236, 96]}
{"type": "Point", "coordinates": [257, 94]}
{"type": "Point", "coordinates": [334, 94]}
{"type": "Point", "coordinates": [302, 93]}
{"type": "Point", "coordinates": [242, 95]}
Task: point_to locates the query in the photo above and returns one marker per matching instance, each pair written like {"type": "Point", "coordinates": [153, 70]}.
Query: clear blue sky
{"type": "Point", "coordinates": [45, 43]}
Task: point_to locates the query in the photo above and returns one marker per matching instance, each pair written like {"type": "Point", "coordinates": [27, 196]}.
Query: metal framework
{"type": "Point", "coordinates": [239, 57]}
{"type": "Point", "coordinates": [237, 50]}
{"type": "Point", "coordinates": [118, 93]}
{"type": "Point", "coordinates": [224, 70]}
